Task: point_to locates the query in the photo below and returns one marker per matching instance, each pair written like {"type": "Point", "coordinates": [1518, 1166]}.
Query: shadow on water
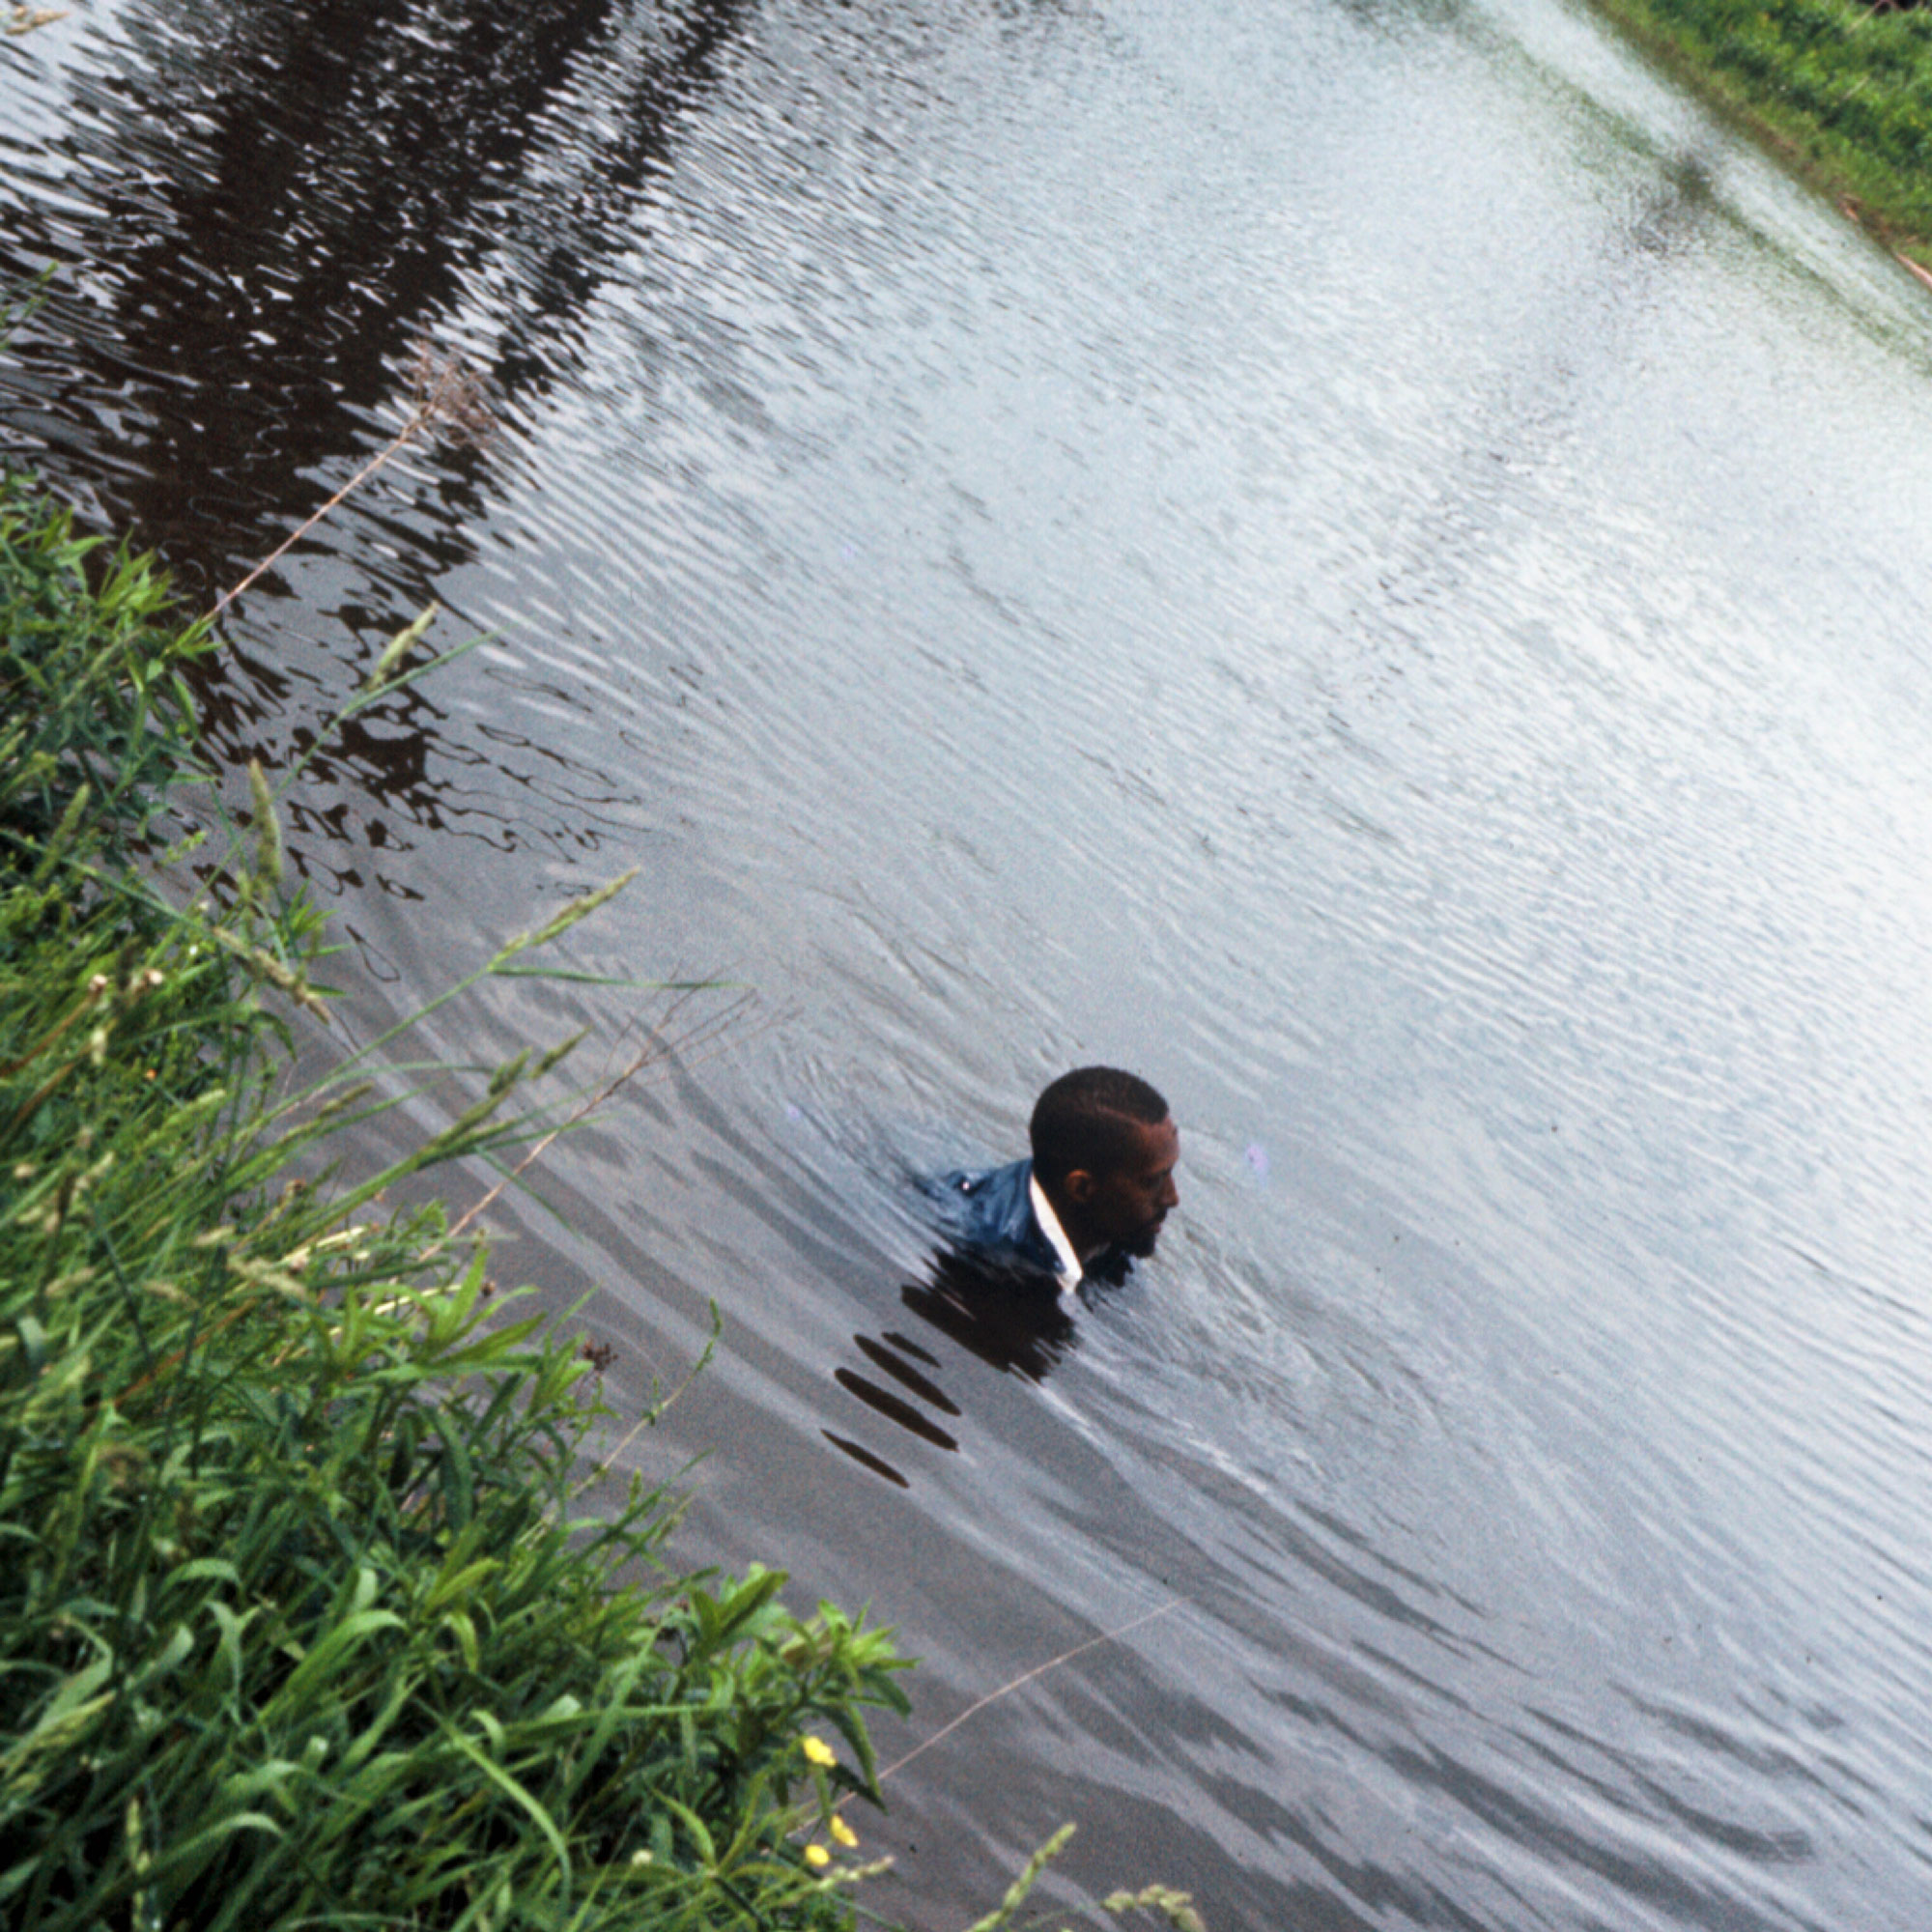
{"type": "Point", "coordinates": [271, 211]}
{"type": "Point", "coordinates": [1019, 1328]}
{"type": "Point", "coordinates": [1017, 1323]}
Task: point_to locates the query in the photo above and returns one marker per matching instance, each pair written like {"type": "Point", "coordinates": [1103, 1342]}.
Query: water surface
{"type": "Point", "coordinates": [1365, 560]}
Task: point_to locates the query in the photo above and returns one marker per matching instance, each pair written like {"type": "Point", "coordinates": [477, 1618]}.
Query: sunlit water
{"type": "Point", "coordinates": [1367, 561]}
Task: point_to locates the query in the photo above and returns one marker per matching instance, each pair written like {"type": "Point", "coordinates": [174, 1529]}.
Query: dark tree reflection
{"type": "Point", "coordinates": [267, 210]}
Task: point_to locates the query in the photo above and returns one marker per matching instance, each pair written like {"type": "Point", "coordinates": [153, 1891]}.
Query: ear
{"type": "Point", "coordinates": [1079, 1186]}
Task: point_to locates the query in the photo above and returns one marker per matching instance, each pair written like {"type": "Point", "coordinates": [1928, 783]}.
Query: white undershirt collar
{"type": "Point", "coordinates": [1071, 1270]}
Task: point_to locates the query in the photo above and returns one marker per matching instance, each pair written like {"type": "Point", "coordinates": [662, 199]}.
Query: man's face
{"type": "Point", "coordinates": [1125, 1208]}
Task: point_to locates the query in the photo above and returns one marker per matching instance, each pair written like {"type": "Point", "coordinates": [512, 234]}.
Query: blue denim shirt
{"type": "Point", "coordinates": [991, 1216]}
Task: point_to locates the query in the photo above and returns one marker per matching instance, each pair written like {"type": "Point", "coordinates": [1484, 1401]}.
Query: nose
{"type": "Point", "coordinates": [1170, 1195]}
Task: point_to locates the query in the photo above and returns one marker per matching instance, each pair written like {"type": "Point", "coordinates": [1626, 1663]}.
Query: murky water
{"type": "Point", "coordinates": [1363, 559]}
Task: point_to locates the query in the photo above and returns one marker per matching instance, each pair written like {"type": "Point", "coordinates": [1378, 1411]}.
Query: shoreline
{"type": "Point", "coordinates": [311, 1605]}
{"type": "Point", "coordinates": [1838, 92]}
{"type": "Point", "coordinates": [335, 1599]}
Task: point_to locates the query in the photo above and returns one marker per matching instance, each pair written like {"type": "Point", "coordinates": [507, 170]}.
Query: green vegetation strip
{"type": "Point", "coordinates": [304, 1619]}
{"type": "Point", "coordinates": [1841, 91]}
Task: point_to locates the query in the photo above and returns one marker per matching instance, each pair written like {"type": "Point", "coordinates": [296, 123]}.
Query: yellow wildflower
{"type": "Point", "coordinates": [818, 1752]}
{"type": "Point", "coordinates": [817, 1856]}
{"type": "Point", "coordinates": [842, 1831]}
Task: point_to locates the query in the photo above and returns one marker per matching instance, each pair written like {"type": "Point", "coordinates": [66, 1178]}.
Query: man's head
{"type": "Point", "coordinates": [1104, 1148]}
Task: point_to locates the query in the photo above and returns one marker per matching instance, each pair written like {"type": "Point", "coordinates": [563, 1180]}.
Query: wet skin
{"type": "Point", "coordinates": [1126, 1208]}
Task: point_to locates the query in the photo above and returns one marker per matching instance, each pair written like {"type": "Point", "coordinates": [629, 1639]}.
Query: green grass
{"type": "Point", "coordinates": [305, 1616]}
{"type": "Point", "coordinates": [1841, 93]}
{"type": "Point", "coordinates": [316, 1609]}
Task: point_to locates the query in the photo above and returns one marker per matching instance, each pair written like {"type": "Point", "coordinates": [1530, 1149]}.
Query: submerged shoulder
{"type": "Point", "coordinates": [981, 1183]}
{"type": "Point", "coordinates": [990, 1211]}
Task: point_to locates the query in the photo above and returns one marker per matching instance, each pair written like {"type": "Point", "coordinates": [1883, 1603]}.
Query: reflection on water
{"type": "Point", "coordinates": [270, 207]}
{"type": "Point", "coordinates": [1365, 559]}
{"type": "Point", "coordinates": [1015, 1324]}
{"type": "Point", "coordinates": [266, 213]}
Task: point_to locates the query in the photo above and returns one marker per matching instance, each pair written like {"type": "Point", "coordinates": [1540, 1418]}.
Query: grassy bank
{"type": "Point", "coordinates": [315, 1609]}
{"type": "Point", "coordinates": [305, 1619]}
{"type": "Point", "coordinates": [1841, 92]}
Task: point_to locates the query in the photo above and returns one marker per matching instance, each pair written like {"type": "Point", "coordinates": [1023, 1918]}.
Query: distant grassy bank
{"type": "Point", "coordinates": [1841, 92]}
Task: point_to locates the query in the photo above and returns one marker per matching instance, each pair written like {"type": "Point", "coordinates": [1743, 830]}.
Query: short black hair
{"type": "Point", "coordinates": [1088, 1119]}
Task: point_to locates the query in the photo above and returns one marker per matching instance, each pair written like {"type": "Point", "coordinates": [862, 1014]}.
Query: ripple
{"type": "Point", "coordinates": [1366, 561]}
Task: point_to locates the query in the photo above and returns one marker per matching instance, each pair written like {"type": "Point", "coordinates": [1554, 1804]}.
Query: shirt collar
{"type": "Point", "coordinates": [1071, 1270]}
